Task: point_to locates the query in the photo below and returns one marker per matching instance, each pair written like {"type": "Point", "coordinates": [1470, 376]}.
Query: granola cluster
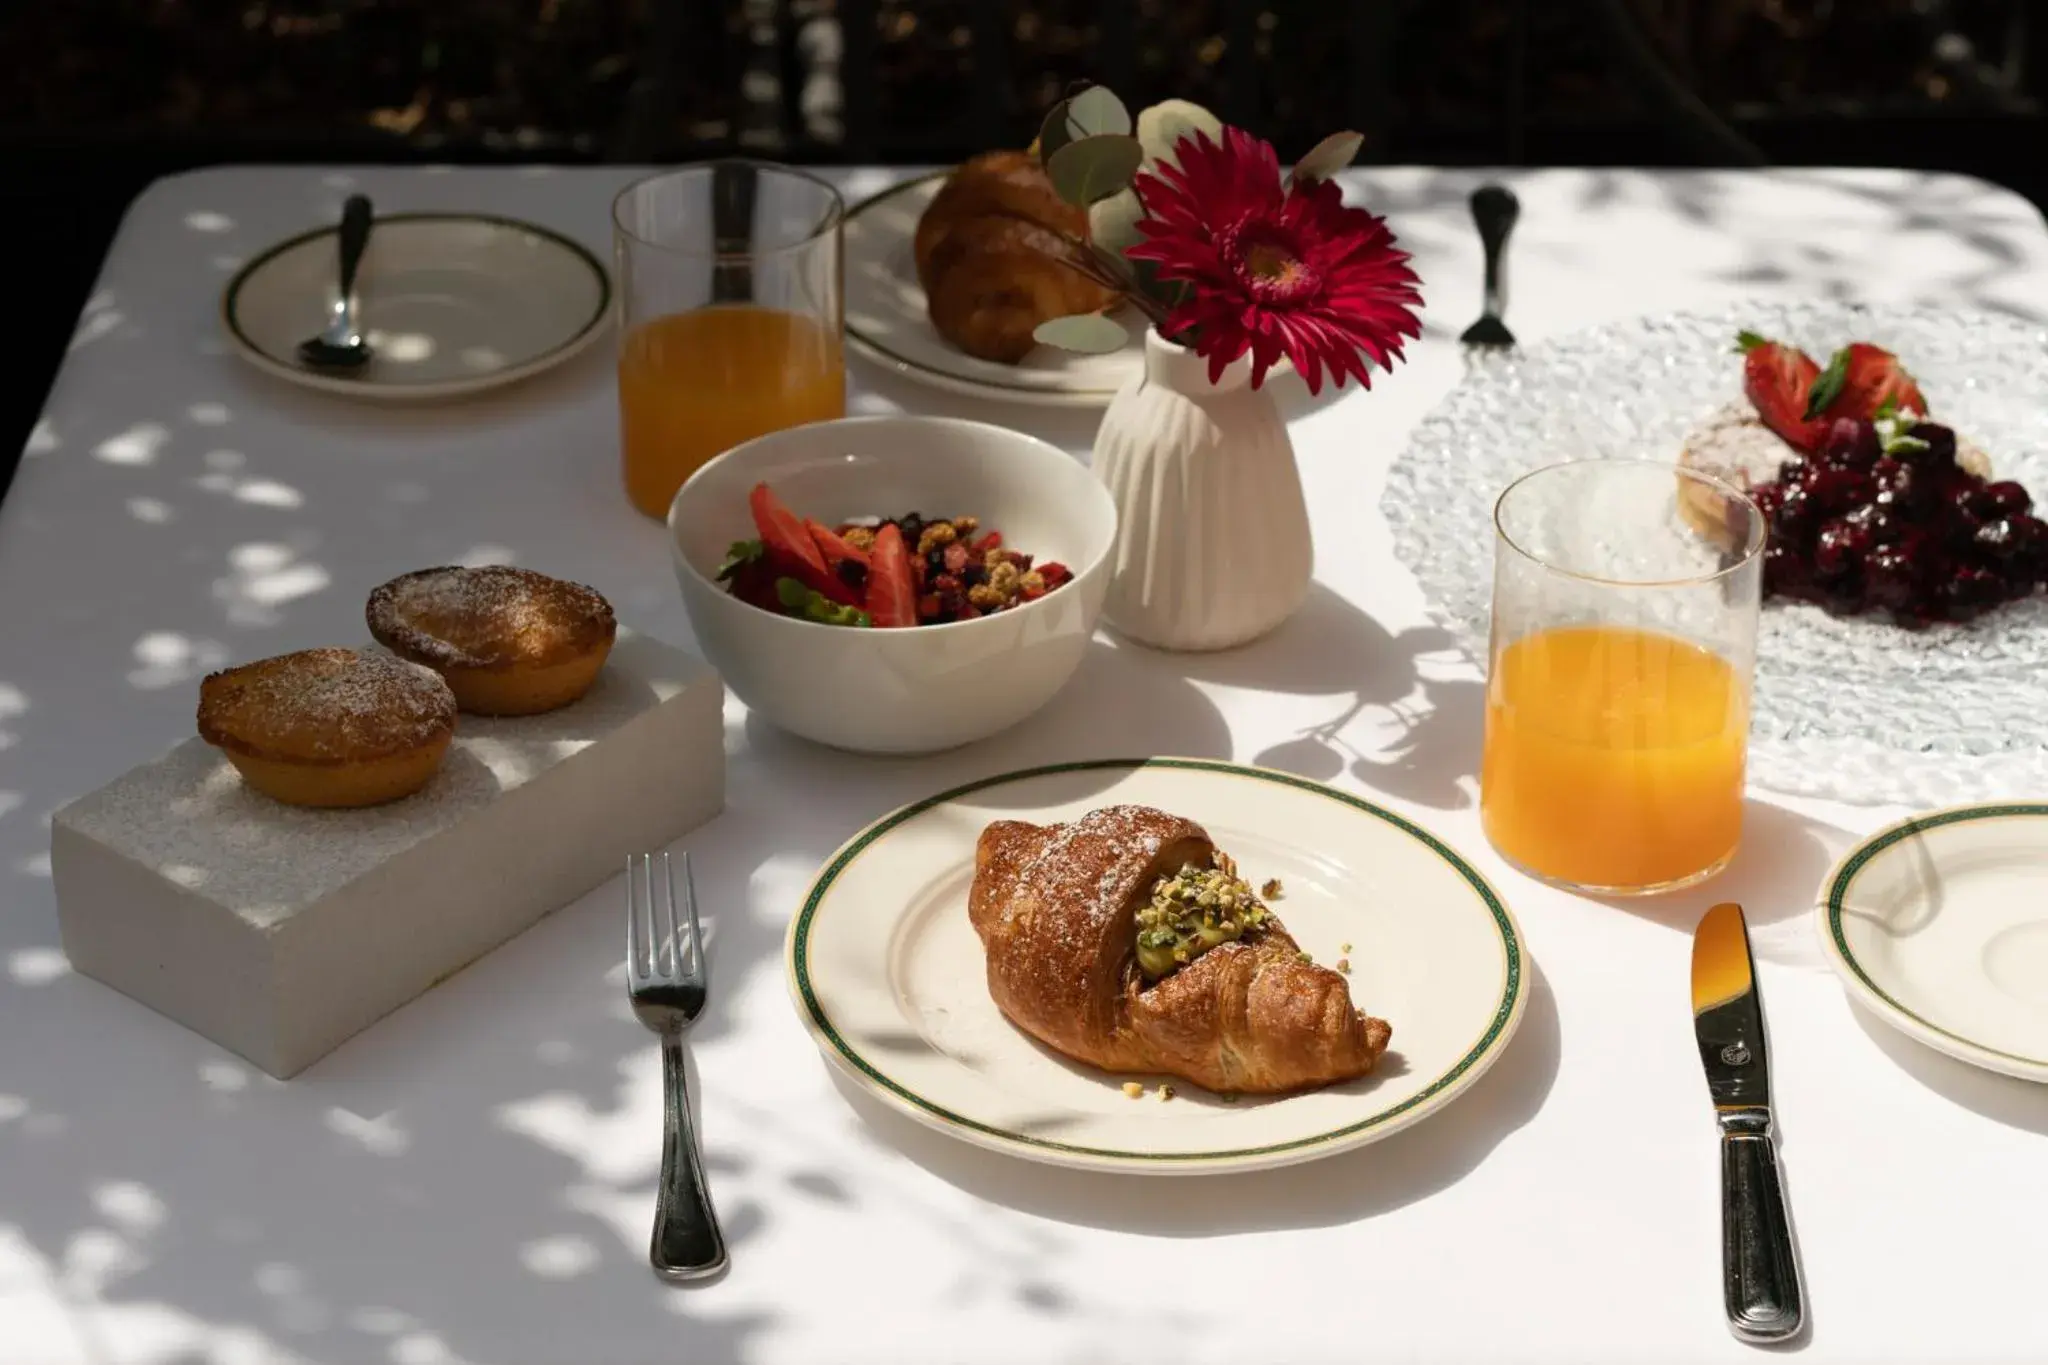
{"type": "Point", "coordinates": [962, 571]}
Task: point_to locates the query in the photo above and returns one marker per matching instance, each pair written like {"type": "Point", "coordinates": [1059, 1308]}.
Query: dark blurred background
{"type": "Point", "coordinates": [103, 96]}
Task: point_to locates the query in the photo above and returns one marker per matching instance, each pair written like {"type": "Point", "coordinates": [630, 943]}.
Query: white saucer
{"type": "Point", "coordinates": [452, 304]}
{"type": "Point", "coordinates": [886, 319]}
{"type": "Point", "coordinates": [889, 976]}
{"type": "Point", "coordinates": [1939, 924]}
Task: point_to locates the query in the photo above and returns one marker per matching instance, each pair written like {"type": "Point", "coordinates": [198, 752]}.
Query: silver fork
{"type": "Point", "coordinates": [666, 979]}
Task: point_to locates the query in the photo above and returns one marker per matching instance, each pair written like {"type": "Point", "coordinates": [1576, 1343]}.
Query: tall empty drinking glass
{"type": "Point", "coordinates": [731, 315]}
{"type": "Point", "coordinates": [1625, 602]}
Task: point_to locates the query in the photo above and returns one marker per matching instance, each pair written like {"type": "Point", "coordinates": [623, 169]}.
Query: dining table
{"type": "Point", "coordinates": [471, 1179]}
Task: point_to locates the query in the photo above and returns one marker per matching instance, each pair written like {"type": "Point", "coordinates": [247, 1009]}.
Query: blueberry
{"type": "Point", "coordinates": [1795, 516]}
{"type": "Point", "coordinates": [1941, 444]}
{"type": "Point", "coordinates": [1839, 550]}
{"type": "Point", "coordinates": [1787, 572]}
{"type": "Point", "coordinates": [1851, 444]}
{"type": "Point", "coordinates": [2008, 499]}
{"type": "Point", "coordinates": [1894, 577]}
{"type": "Point", "coordinates": [1839, 489]}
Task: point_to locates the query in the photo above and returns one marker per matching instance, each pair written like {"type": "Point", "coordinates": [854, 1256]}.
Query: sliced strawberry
{"type": "Point", "coordinates": [790, 547]}
{"type": "Point", "coordinates": [1054, 574]}
{"type": "Point", "coordinates": [892, 597]}
{"type": "Point", "coordinates": [1861, 380]}
{"type": "Point", "coordinates": [1778, 381]}
{"type": "Point", "coordinates": [833, 546]}
{"type": "Point", "coordinates": [992, 541]}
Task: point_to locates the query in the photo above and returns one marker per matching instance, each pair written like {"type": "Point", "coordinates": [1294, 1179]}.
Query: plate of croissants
{"type": "Point", "coordinates": [948, 276]}
{"type": "Point", "coordinates": [1162, 966]}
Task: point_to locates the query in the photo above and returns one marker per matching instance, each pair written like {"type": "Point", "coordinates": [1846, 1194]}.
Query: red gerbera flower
{"type": "Point", "coordinates": [1290, 272]}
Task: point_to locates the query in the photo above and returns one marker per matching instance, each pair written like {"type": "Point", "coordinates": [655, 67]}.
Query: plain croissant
{"type": "Point", "coordinates": [1056, 907]}
{"type": "Point", "coordinates": [989, 251]}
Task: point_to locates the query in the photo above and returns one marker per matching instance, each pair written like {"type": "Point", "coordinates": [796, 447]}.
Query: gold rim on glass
{"type": "Point", "coordinates": [1754, 547]}
{"type": "Point", "coordinates": [835, 212]}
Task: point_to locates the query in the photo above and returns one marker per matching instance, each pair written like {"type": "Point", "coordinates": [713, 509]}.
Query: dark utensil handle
{"type": "Point", "coordinates": [355, 235]}
{"type": "Point", "coordinates": [687, 1244]}
{"type": "Point", "coordinates": [735, 192]}
{"type": "Point", "coordinates": [1494, 209]}
{"type": "Point", "coordinates": [1759, 1269]}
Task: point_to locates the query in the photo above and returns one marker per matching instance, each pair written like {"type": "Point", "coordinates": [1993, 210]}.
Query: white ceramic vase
{"type": "Point", "coordinates": [1213, 544]}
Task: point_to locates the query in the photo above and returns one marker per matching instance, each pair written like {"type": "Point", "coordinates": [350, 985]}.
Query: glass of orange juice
{"type": "Point", "coordinates": [1625, 602]}
{"type": "Point", "coordinates": [732, 315]}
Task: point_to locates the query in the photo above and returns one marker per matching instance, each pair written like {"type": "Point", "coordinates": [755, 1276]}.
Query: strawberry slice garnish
{"type": "Point", "coordinates": [1778, 380]}
{"type": "Point", "coordinates": [789, 547]}
{"type": "Point", "coordinates": [892, 594]}
{"type": "Point", "coordinates": [1862, 381]}
{"type": "Point", "coordinates": [835, 548]}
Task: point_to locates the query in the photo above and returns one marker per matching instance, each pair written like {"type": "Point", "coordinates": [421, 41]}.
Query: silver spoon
{"type": "Point", "coordinates": [341, 346]}
{"type": "Point", "coordinates": [1494, 209]}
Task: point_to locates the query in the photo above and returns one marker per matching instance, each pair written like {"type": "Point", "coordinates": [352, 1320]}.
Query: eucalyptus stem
{"type": "Point", "coordinates": [1109, 271]}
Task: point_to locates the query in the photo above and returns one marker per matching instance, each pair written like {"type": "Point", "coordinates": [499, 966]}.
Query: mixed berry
{"type": "Point", "coordinates": [1873, 512]}
{"type": "Point", "coordinates": [908, 570]}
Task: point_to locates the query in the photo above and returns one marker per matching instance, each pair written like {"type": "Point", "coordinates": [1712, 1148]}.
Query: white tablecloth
{"type": "Point", "coordinates": [471, 1180]}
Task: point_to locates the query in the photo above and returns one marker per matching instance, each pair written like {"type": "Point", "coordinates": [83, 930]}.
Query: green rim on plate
{"type": "Point", "coordinates": [1861, 858]}
{"type": "Point", "coordinates": [1503, 1015]}
{"type": "Point", "coordinates": [883, 350]}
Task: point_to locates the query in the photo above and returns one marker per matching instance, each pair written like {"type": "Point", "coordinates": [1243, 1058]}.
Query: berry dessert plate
{"type": "Point", "coordinates": [886, 971]}
{"type": "Point", "coordinates": [1902, 655]}
{"type": "Point", "coordinates": [1939, 926]}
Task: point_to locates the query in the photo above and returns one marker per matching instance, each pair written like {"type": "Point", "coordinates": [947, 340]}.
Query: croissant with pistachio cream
{"type": "Point", "coordinates": [1126, 940]}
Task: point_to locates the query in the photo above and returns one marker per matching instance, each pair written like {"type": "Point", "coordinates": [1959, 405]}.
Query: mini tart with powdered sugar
{"type": "Point", "coordinates": [329, 727]}
{"type": "Point", "coordinates": [509, 642]}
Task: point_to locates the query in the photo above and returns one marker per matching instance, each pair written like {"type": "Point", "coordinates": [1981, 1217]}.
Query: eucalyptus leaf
{"type": "Point", "coordinates": [1092, 168]}
{"type": "Point", "coordinates": [1088, 333]}
{"type": "Point", "coordinates": [1163, 125]}
{"type": "Point", "coordinates": [1097, 110]}
{"type": "Point", "coordinates": [1328, 157]}
{"type": "Point", "coordinates": [1113, 222]}
{"type": "Point", "coordinates": [1113, 226]}
{"type": "Point", "coordinates": [1053, 134]}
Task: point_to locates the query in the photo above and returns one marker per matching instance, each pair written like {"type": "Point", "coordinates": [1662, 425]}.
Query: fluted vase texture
{"type": "Point", "coordinates": [1213, 544]}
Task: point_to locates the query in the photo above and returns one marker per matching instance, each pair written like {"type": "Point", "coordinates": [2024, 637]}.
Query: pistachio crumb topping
{"type": "Point", "coordinates": [1192, 911]}
{"type": "Point", "coordinates": [1271, 890]}
{"type": "Point", "coordinates": [1344, 965]}
{"type": "Point", "coordinates": [1303, 957]}
{"type": "Point", "coordinates": [1343, 947]}
{"type": "Point", "coordinates": [1133, 1089]}
{"type": "Point", "coordinates": [1165, 1092]}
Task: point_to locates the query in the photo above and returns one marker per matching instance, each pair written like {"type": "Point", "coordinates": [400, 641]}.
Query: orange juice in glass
{"type": "Point", "coordinates": [731, 316]}
{"type": "Point", "coordinates": [1625, 608]}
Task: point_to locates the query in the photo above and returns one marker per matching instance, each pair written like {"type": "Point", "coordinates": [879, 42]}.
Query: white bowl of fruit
{"type": "Point", "coordinates": [893, 585]}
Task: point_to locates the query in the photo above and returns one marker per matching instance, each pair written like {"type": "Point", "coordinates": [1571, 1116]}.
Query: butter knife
{"type": "Point", "coordinates": [1759, 1266]}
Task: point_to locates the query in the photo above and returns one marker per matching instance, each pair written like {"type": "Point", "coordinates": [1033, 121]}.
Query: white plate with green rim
{"type": "Point", "coordinates": [451, 303]}
{"type": "Point", "coordinates": [889, 976]}
{"type": "Point", "coordinates": [886, 318]}
{"type": "Point", "coordinates": [1939, 924]}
